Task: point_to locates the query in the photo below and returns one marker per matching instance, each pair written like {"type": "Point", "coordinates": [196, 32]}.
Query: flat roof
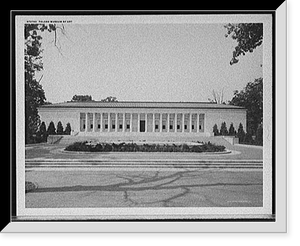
{"type": "Point", "coordinates": [140, 104]}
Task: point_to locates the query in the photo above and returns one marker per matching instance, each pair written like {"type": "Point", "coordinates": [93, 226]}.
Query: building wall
{"type": "Point", "coordinates": [211, 117]}
{"type": "Point", "coordinates": [64, 115]}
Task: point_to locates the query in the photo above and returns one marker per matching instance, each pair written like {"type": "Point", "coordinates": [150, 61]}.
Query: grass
{"type": "Point", "coordinates": [133, 147]}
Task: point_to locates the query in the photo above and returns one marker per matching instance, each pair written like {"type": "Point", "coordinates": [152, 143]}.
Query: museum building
{"type": "Point", "coordinates": [142, 118]}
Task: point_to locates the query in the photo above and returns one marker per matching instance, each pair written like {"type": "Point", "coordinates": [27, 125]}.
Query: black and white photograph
{"type": "Point", "coordinates": [146, 117]}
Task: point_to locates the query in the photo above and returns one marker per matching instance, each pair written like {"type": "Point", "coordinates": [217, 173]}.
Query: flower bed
{"type": "Point", "coordinates": [134, 147]}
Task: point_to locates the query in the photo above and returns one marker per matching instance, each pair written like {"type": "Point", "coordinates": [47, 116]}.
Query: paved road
{"type": "Point", "coordinates": [147, 187]}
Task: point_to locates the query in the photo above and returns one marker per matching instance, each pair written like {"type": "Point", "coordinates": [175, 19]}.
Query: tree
{"type": "Point", "coordinates": [259, 135]}
{"type": "Point", "coordinates": [248, 36]}
{"type": "Point", "coordinates": [109, 99]}
{"type": "Point", "coordinates": [82, 98]}
{"type": "Point", "coordinates": [42, 133]}
{"type": "Point", "coordinates": [217, 97]}
{"type": "Point", "coordinates": [68, 129]}
{"type": "Point", "coordinates": [231, 131]}
{"type": "Point", "coordinates": [241, 133]}
{"type": "Point", "coordinates": [223, 129]}
{"type": "Point", "coordinates": [215, 130]}
{"type": "Point", "coordinates": [59, 128]}
{"type": "Point", "coordinates": [252, 99]}
{"type": "Point", "coordinates": [51, 129]}
{"type": "Point", "coordinates": [34, 93]}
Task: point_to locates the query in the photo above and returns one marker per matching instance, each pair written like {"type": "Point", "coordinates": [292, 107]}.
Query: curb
{"type": "Point", "coordinates": [143, 164]}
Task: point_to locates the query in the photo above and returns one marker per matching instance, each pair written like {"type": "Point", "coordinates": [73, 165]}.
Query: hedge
{"type": "Point", "coordinates": [133, 147]}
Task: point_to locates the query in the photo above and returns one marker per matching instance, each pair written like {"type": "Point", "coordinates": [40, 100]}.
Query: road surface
{"type": "Point", "coordinates": [147, 187]}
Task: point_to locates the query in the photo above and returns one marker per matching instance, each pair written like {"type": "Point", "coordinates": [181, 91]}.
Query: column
{"type": "Point", "coordinates": [86, 122]}
{"type": "Point", "coordinates": [124, 122]}
{"type": "Point", "coordinates": [116, 122]}
{"type": "Point", "coordinates": [109, 123]}
{"type": "Point", "coordinates": [153, 125]}
{"type": "Point", "coordinates": [131, 117]}
{"type": "Point", "coordinates": [168, 122]}
{"type": "Point", "coordinates": [138, 124]}
{"type": "Point", "coordinates": [146, 122]}
{"type": "Point", "coordinates": [94, 122]}
{"type": "Point", "coordinates": [175, 130]}
{"type": "Point", "coordinates": [160, 122]}
{"type": "Point", "coordinates": [182, 122]}
{"type": "Point", "coordinates": [197, 123]}
{"type": "Point", "coordinates": [190, 122]}
{"type": "Point", "coordinates": [101, 122]}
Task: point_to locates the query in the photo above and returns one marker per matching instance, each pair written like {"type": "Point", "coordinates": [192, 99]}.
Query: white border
{"type": "Point", "coordinates": [280, 223]}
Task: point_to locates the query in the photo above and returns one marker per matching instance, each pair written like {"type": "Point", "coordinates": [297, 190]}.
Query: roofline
{"type": "Point", "coordinates": [235, 107]}
{"type": "Point", "coordinates": [59, 105]}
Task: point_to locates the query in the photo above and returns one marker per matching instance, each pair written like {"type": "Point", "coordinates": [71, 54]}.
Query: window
{"type": "Point", "coordinates": [156, 127]}
{"type": "Point", "coordinates": [99, 126]}
{"type": "Point", "coordinates": [113, 126]}
{"type": "Point", "coordinates": [106, 126]}
{"type": "Point", "coordinates": [178, 127]}
{"type": "Point", "coordinates": [185, 127]}
{"type": "Point", "coordinates": [171, 127]}
{"type": "Point", "coordinates": [120, 126]}
{"type": "Point", "coordinates": [193, 127]}
{"type": "Point", "coordinates": [128, 126]}
{"type": "Point", "coordinates": [164, 127]}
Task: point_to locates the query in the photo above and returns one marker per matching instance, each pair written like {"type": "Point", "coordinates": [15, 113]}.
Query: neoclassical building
{"type": "Point", "coordinates": [127, 118]}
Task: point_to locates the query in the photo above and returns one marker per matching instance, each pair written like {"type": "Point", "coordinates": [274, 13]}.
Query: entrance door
{"type": "Point", "coordinates": [142, 126]}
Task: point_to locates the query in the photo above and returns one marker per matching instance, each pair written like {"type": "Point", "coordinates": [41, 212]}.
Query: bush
{"type": "Point", "coordinates": [215, 130]}
{"type": "Point", "coordinates": [133, 147]}
{"type": "Point", "coordinates": [241, 133]}
{"type": "Point", "coordinates": [223, 129]}
{"type": "Point", "coordinates": [231, 131]}
{"type": "Point", "coordinates": [68, 129]}
{"type": "Point", "coordinates": [60, 129]}
{"type": "Point", "coordinates": [259, 135]}
{"type": "Point", "coordinates": [51, 129]}
{"type": "Point", "coordinates": [42, 133]}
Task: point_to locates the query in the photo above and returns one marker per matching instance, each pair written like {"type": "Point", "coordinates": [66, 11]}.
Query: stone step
{"type": "Point", "coordinates": [170, 161]}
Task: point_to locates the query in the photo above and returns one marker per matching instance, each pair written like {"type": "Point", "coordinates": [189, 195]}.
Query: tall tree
{"type": "Point", "coordinates": [82, 98]}
{"type": "Point", "coordinates": [248, 37]}
{"type": "Point", "coordinates": [109, 99]}
{"type": "Point", "coordinates": [252, 99]}
{"type": "Point", "coordinates": [34, 93]}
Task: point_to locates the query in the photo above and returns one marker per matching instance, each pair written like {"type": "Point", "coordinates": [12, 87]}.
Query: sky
{"type": "Point", "coordinates": [144, 62]}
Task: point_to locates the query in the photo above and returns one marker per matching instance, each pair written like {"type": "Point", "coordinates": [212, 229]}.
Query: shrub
{"type": "Point", "coordinates": [77, 146]}
{"type": "Point", "coordinates": [42, 133]}
{"type": "Point", "coordinates": [51, 129]}
{"type": "Point", "coordinates": [248, 138]}
{"type": "Point", "coordinates": [231, 131]}
{"type": "Point", "coordinates": [259, 135]}
{"type": "Point", "coordinates": [68, 129]}
{"type": "Point", "coordinates": [223, 129]}
{"type": "Point", "coordinates": [133, 147]}
{"type": "Point", "coordinates": [215, 130]}
{"type": "Point", "coordinates": [241, 133]}
{"type": "Point", "coordinates": [59, 128]}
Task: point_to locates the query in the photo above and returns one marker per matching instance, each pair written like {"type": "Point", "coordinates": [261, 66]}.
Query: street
{"type": "Point", "coordinates": [72, 187]}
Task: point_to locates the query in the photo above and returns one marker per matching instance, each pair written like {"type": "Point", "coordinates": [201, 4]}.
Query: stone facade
{"type": "Point", "coordinates": [142, 118]}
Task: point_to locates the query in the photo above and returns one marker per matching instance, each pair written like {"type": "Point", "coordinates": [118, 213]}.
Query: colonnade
{"type": "Point", "coordinates": [141, 122]}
